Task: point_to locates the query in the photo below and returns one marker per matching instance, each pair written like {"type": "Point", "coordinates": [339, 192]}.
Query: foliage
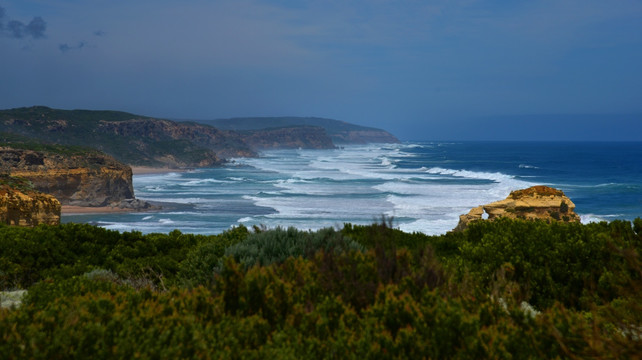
{"type": "Point", "coordinates": [56, 252]}
{"type": "Point", "coordinates": [103, 294]}
{"type": "Point", "coordinates": [566, 262]}
{"type": "Point", "coordinates": [198, 267]}
{"type": "Point", "coordinates": [15, 182]}
{"type": "Point", "coordinates": [267, 247]}
{"type": "Point", "coordinates": [25, 143]}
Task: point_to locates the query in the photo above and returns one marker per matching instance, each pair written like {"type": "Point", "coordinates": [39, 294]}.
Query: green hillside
{"type": "Point", "coordinates": [130, 138]}
{"type": "Point", "coordinates": [338, 131]}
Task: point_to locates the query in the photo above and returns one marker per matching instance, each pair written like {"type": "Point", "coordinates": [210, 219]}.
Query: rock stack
{"type": "Point", "coordinates": [537, 202]}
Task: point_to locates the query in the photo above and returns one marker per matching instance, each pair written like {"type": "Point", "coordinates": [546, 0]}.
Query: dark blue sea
{"type": "Point", "coordinates": [424, 186]}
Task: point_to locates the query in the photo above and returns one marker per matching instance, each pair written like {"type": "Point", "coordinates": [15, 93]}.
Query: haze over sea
{"type": "Point", "coordinates": [425, 186]}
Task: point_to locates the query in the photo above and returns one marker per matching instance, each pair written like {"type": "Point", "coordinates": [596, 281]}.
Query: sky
{"type": "Point", "coordinates": [423, 70]}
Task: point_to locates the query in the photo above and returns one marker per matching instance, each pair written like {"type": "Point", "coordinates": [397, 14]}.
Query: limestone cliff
{"type": "Point", "coordinates": [294, 137]}
{"type": "Point", "coordinates": [537, 202]}
{"type": "Point", "coordinates": [225, 144]}
{"type": "Point", "coordinates": [129, 138]}
{"type": "Point", "coordinates": [24, 207]}
{"type": "Point", "coordinates": [85, 178]}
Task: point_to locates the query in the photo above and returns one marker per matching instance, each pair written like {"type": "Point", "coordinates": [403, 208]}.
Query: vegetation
{"type": "Point", "coordinates": [15, 182]}
{"type": "Point", "coordinates": [25, 143]}
{"type": "Point", "coordinates": [336, 130]}
{"type": "Point", "coordinates": [139, 144]}
{"type": "Point", "coordinates": [501, 289]}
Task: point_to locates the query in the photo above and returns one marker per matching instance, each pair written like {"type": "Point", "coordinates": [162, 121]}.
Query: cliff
{"type": "Point", "coordinates": [22, 206]}
{"type": "Point", "coordinates": [537, 202]}
{"type": "Point", "coordinates": [223, 144]}
{"type": "Point", "coordinates": [131, 139]}
{"type": "Point", "coordinates": [366, 136]}
{"type": "Point", "coordinates": [295, 137]}
{"type": "Point", "coordinates": [81, 178]}
{"type": "Point", "coordinates": [340, 132]}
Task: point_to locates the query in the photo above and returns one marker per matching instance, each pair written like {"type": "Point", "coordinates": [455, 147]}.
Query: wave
{"type": "Point", "coordinates": [387, 162]}
{"type": "Point", "coordinates": [357, 184]}
{"type": "Point", "coordinates": [205, 182]}
{"type": "Point", "coordinates": [494, 176]}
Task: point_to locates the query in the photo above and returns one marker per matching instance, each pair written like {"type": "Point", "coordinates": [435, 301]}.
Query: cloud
{"type": "Point", "coordinates": [66, 47]}
{"type": "Point", "coordinates": [99, 33]}
{"type": "Point", "coordinates": [18, 30]}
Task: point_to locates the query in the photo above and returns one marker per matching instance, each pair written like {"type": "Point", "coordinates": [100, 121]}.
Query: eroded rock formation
{"type": "Point", "coordinates": [27, 208]}
{"type": "Point", "coordinates": [537, 202]}
{"type": "Point", "coordinates": [81, 179]}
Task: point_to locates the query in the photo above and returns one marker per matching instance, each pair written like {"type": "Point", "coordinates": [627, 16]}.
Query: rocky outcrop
{"type": "Point", "coordinates": [86, 178]}
{"type": "Point", "coordinates": [225, 144]}
{"type": "Point", "coordinates": [295, 137]}
{"type": "Point", "coordinates": [27, 207]}
{"type": "Point", "coordinates": [537, 202]}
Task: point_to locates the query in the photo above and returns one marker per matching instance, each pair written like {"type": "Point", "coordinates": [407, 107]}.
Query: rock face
{"type": "Point", "coordinates": [537, 202]}
{"type": "Point", "coordinates": [340, 132]}
{"type": "Point", "coordinates": [364, 137]}
{"type": "Point", "coordinates": [225, 144]}
{"type": "Point", "coordinates": [28, 208]}
{"type": "Point", "coordinates": [82, 179]}
{"type": "Point", "coordinates": [131, 139]}
{"type": "Point", "coordinates": [295, 137]}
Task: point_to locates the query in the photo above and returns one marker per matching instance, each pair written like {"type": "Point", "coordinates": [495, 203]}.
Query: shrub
{"type": "Point", "coordinates": [273, 246]}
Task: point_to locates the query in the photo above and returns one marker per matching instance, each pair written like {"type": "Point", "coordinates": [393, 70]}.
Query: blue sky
{"type": "Point", "coordinates": [434, 70]}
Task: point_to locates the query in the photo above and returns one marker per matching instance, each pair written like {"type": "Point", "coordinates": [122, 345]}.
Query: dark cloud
{"type": "Point", "coordinates": [36, 28]}
{"type": "Point", "coordinates": [99, 33]}
{"type": "Point", "coordinates": [66, 47]}
{"type": "Point", "coordinates": [18, 30]}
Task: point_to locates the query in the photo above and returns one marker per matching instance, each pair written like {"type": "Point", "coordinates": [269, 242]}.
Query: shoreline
{"type": "Point", "coordinates": [149, 170]}
{"type": "Point", "coordinates": [82, 210]}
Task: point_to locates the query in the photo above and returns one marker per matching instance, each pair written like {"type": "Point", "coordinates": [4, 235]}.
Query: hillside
{"type": "Point", "coordinates": [131, 139]}
{"type": "Point", "coordinates": [340, 132]}
{"type": "Point", "coordinates": [293, 137]}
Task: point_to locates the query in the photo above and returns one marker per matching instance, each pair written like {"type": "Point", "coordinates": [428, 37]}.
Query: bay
{"type": "Point", "coordinates": [424, 186]}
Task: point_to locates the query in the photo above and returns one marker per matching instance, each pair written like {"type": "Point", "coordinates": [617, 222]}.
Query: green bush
{"type": "Point", "coordinates": [267, 247]}
{"type": "Point", "coordinates": [364, 292]}
{"type": "Point", "coordinates": [199, 264]}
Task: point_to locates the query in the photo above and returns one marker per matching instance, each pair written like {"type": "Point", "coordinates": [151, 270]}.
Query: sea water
{"type": "Point", "coordinates": [423, 186]}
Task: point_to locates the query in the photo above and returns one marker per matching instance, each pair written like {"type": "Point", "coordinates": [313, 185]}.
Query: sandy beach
{"type": "Point", "coordinates": [76, 210]}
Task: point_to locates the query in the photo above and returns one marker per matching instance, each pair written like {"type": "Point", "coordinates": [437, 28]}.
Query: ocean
{"type": "Point", "coordinates": [423, 186]}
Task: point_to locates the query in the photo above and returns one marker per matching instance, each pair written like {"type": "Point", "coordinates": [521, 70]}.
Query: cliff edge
{"type": "Point", "coordinates": [22, 206]}
{"type": "Point", "coordinates": [537, 202]}
{"type": "Point", "coordinates": [82, 178]}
